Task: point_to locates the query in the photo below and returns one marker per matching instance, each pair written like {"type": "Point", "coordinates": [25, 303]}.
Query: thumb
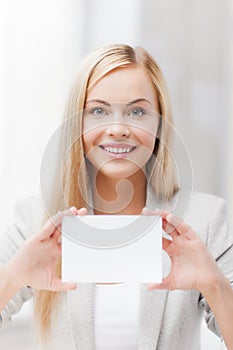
{"type": "Point", "coordinates": [163, 285]}
{"type": "Point", "coordinates": [59, 286]}
{"type": "Point", "coordinates": [152, 286]}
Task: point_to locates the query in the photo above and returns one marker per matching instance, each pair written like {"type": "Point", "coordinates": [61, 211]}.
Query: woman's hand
{"type": "Point", "coordinates": [35, 263]}
{"type": "Point", "coordinates": [192, 265]}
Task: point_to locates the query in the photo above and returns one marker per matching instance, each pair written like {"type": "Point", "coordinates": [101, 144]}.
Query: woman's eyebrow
{"type": "Point", "coordinates": [138, 100]}
{"type": "Point", "coordinates": [128, 104]}
{"type": "Point", "coordinates": [99, 101]}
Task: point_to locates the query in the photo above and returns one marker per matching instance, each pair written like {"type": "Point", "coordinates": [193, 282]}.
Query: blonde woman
{"type": "Point", "coordinates": [120, 107]}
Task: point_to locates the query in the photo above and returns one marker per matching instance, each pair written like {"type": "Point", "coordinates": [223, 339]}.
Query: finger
{"type": "Point", "coordinates": [50, 226]}
{"type": "Point", "coordinates": [180, 226]}
{"type": "Point", "coordinates": [74, 210]}
{"type": "Point", "coordinates": [169, 229]}
{"type": "Point", "coordinates": [164, 285]}
{"type": "Point", "coordinates": [82, 211]}
{"type": "Point", "coordinates": [166, 244]}
{"type": "Point", "coordinates": [152, 286]}
{"type": "Point", "coordinates": [158, 212]}
{"type": "Point", "coordinates": [59, 286]}
{"type": "Point", "coordinates": [146, 211]}
{"type": "Point", "coordinates": [57, 219]}
{"type": "Point", "coordinates": [57, 233]}
{"type": "Point", "coordinates": [56, 250]}
{"type": "Point", "coordinates": [162, 213]}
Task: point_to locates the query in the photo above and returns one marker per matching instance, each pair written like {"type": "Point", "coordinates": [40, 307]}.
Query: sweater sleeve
{"type": "Point", "coordinates": [11, 241]}
{"type": "Point", "coordinates": [220, 244]}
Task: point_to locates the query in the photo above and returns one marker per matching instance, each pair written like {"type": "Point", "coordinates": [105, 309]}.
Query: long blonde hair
{"type": "Point", "coordinates": [95, 66]}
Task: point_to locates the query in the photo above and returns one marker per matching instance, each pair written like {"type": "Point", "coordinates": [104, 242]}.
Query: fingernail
{"type": "Point", "coordinates": [82, 211]}
{"type": "Point", "coordinates": [73, 209]}
{"type": "Point", "coordinates": [157, 209]}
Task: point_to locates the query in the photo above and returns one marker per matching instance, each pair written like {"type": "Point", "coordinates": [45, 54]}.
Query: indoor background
{"type": "Point", "coordinates": [42, 45]}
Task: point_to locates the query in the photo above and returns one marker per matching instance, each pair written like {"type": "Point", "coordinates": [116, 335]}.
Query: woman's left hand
{"type": "Point", "coordinates": [192, 265]}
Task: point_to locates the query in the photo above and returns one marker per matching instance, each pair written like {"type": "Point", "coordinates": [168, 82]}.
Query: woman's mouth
{"type": "Point", "coordinates": [119, 151]}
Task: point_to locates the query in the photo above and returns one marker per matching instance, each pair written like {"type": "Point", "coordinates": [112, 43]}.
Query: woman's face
{"type": "Point", "coordinates": [120, 122]}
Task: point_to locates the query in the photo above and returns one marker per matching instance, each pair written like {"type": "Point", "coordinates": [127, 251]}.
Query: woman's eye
{"type": "Point", "coordinates": [98, 111]}
{"type": "Point", "coordinates": [137, 112]}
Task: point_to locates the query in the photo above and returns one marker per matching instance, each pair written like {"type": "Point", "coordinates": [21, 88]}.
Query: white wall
{"type": "Point", "coordinates": [108, 22]}
{"type": "Point", "coordinates": [41, 52]}
{"type": "Point", "coordinates": [192, 42]}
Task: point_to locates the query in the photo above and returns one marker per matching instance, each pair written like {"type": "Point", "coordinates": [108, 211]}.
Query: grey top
{"type": "Point", "coordinates": [167, 319]}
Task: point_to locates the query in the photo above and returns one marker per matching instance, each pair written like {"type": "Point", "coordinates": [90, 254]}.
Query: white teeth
{"type": "Point", "coordinates": [117, 150]}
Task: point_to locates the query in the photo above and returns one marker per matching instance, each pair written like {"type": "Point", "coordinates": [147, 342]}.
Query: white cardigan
{"type": "Point", "coordinates": [167, 319]}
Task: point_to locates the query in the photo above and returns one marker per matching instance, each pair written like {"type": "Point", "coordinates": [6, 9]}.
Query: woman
{"type": "Point", "coordinates": [125, 127]}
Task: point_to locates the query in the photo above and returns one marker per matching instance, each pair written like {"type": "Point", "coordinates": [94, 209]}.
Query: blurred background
{"type": "Point", "coordinates": [42, 44]}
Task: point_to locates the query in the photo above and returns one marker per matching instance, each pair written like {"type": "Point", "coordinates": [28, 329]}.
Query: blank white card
{"type": "Point", "coordinates": [112, 248]}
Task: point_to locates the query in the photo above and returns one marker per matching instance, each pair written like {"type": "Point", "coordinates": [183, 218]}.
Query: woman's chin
{"type": "Point", "coordinates": [119, 171]}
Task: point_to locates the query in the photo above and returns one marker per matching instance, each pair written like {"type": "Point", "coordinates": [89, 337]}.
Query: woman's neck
{"type": "Point", "coordinates": [121, 196]}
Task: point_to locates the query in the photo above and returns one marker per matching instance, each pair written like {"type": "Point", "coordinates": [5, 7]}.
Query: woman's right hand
{"type": "Point", "coordinates": [35, 263]}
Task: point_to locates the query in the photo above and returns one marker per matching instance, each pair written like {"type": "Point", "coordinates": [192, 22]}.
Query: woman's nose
{"type": "Point", "coordinates": [118, 130]}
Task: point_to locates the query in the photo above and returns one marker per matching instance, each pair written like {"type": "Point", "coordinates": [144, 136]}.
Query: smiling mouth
{"type": "Point", "coordinates": [118, 150]}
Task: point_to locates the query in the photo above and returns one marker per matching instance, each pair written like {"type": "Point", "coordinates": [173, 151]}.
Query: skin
{"type": "Point", "coordinates": [34, 263]}
{"type": "Point", "coordinates": [193, 267]}
{"type": "Point", "coordinates": [101, 125]}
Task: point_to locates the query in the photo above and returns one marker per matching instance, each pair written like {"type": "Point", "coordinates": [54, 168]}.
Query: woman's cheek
{"type": "Point", "coordinates": [146, 135]}
{"type": "Point", "coordinates": [90, 139]}
{"type": "Point", "coordinates": [147, 140]}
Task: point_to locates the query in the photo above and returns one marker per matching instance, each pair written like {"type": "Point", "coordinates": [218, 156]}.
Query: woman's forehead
{"type": "Point", "coordinates": [124, 84]}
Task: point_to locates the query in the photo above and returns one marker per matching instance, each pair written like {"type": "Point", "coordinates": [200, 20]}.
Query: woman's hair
{"type": "Point", "coordinates": [160, 167]}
